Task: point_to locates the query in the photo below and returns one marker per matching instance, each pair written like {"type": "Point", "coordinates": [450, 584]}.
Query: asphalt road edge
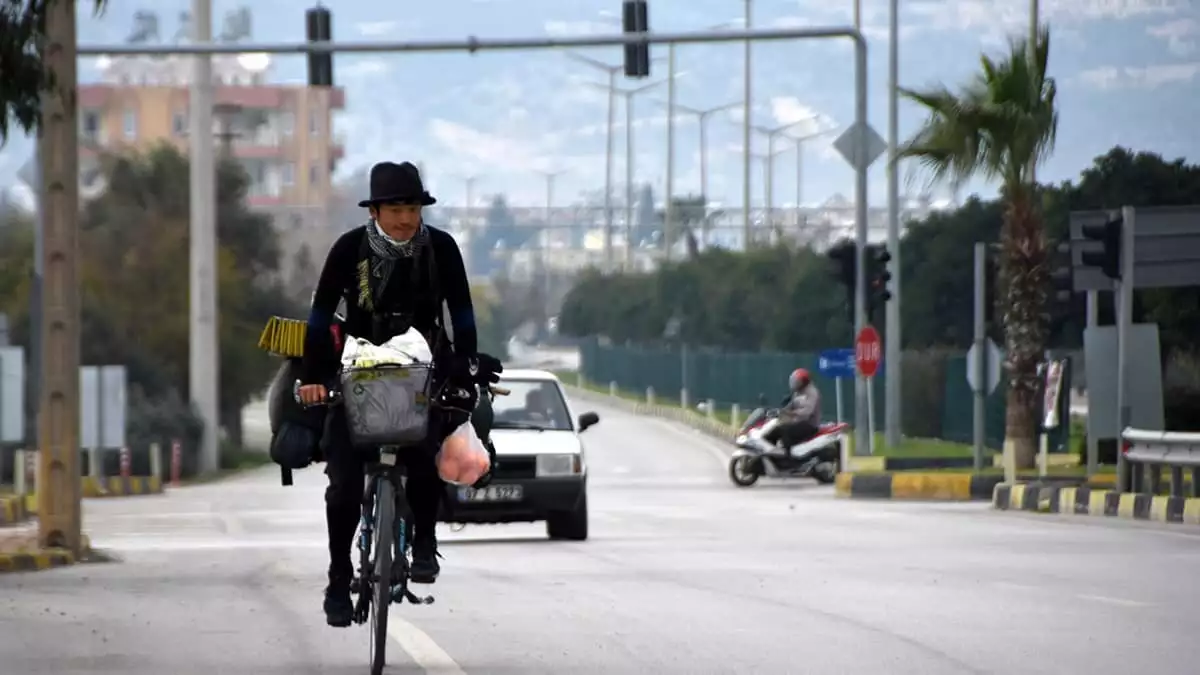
{"type": "Point", "coordinates": [1086, 501]}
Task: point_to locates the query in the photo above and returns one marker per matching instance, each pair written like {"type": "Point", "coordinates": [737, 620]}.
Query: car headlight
{"type": "Point", "coordinates": [559, 465]}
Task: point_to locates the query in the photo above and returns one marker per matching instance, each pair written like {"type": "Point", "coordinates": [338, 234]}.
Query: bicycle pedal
{"type": "Point", "coordinates": [416, 599]}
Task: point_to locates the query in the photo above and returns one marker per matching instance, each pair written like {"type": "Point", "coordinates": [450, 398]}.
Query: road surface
{"type": "Point", "coordinates": [684, 574]}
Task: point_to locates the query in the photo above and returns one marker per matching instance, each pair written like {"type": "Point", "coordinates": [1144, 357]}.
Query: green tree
{"type": "Point", "coordinates": [1001, 125]}
{"type": "Point", "coordinates": [134, 238]}
{"type": "Point", "coordinates": [22, 26]}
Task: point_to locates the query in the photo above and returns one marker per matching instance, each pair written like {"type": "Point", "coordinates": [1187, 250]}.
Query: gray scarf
{"type": "Point", "coordinates": [385, 251]}
{"type": "Point", "coordinates": [386, 248]}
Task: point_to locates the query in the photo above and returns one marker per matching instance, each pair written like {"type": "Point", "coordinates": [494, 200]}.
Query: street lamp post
{"type": "Point", "coordinates": [769, 172]}
{"type": "Point", "coordinates": [628, 94]}
{"type": "Point", "coordinates": [767, 158]}
{"type": "Point", "coordinates": [746, 123]}
{"type": "Point", "coordinates": [702, 118]}
{"type": "Point", "coordinates": [544, 286]}
{"type": "Point", "coordinates": [611, 71]}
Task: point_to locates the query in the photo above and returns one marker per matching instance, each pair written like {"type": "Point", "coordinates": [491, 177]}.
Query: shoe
{"type": "Point", "coordinates": [425, 567]}
{"type": "Point", "coordinates": [339, 611]}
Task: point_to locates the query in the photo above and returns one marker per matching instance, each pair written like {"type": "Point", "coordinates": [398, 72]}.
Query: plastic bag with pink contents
{"type": "Point", "coordinates": [463, 458]}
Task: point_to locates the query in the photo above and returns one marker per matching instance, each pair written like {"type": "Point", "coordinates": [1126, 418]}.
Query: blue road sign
{"type": "Point", "coordinates": [840, 363]}
{"type": "Point", "coordinates": [836, 363]}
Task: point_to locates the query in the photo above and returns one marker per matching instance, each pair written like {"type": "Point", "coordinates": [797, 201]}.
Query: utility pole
{"type": "Point", "coordinates": [746, 124]}
{"type": "Point", "coordinates": [892, 349]}
{"type": "Point", "coordinates": [59, 477]}
{"type": "Point", "coordinates": [669, 207]}
{"type": "Point", "coordinates": [204, 357]}
{"type": "Point", "coordinates": [611, 71]}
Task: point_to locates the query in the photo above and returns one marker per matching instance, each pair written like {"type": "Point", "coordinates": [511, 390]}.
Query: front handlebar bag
{"type": "Point", "coordinates": [387, 404]}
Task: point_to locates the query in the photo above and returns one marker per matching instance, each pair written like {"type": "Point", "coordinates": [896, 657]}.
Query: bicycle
{"type": "Point", "coordinates": [384, 532]}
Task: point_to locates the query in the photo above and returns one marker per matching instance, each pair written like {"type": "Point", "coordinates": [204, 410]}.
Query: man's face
{"type": "Point", "coordinates": [398, 221]}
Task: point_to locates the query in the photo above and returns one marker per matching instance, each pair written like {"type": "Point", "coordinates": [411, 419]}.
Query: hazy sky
{"type": "Point", "coordinates": [1128, 71]}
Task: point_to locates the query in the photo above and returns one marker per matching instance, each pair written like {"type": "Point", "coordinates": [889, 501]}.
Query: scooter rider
{"type": "Point", "coordinates": [800, 415]}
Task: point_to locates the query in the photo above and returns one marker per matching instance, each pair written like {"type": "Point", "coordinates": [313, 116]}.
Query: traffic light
{"type": "Point", "coordinates": [1108, 259]}
{"type": "Point", "coordinates": [1060, 299]}
{"type": "Point", "coordinates": [635, 18]}
{"type": "Point", "coordinates": [320, 64]}
{"type": "Point", "coordinates": [878, 278]}
{"type": "Point", "coordinates": [843, 256]}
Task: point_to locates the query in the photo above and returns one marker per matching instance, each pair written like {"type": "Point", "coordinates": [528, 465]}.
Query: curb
{"type": "Point", "coordinates": [35, 561]}
{"type": "Point", "coordinates": [13, 510]}
{"type": "Point", "coordinates": [116, 486]}
{"type": "Point", "coordinates": [1083, 501]}
{"type": "Point", "coordinates": [912, 485]}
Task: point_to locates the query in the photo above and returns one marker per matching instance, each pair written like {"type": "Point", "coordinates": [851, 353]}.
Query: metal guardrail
{"type": "Point", "coordinates": [1148, 452]}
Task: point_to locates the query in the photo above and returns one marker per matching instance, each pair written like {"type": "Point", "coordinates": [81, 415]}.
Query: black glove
{"type": "Point", "coordinates": [475, 369]}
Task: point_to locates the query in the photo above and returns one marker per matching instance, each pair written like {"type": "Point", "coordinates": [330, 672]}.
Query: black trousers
{"type": "Point", "coordinates": [791, 433]}
{"type": "Point", "coordinates": [346, 466]}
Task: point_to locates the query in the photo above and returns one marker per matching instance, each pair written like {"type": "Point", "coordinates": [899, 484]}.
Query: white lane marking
{"type": "Point", "coordinates": [620, 470]}
{"type": "Point", "coordinates": [1108, 600]}
{"type": "Point", "coordinates": [421, 648]}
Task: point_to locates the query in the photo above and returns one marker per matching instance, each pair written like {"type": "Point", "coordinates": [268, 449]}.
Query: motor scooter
{"type": "Point", "coordinates": [819, 457]}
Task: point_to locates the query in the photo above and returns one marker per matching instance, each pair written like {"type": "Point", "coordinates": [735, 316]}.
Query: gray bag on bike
{"type": "Point", "coordinates": [387, 404]}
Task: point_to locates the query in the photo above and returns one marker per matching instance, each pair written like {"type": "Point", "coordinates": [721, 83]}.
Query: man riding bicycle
{"type": "Point", "coordinates": [394, 273]}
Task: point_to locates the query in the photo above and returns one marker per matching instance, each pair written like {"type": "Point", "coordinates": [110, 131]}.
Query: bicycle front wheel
{"type": "Point", "coordinates": [385, 528]}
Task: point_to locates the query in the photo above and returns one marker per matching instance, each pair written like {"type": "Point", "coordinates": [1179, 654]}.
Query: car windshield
{"type": "Point", "coordinates": [533, 404]}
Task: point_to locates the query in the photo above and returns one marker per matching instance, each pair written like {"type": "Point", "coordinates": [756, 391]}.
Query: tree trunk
{"type": "Point", "coordinates": [1024, 282]}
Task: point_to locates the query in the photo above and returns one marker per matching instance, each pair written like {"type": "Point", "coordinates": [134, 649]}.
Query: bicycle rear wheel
{"type": "Point", "coordinates": [385, 528]}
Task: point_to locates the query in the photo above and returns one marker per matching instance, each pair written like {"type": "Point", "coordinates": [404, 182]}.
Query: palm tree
{"type": "Point", "coordinates": [1001, 126]}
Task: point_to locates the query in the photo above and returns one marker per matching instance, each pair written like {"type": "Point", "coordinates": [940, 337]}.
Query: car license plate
{"type": "Point", "coordinates": [492, 493]}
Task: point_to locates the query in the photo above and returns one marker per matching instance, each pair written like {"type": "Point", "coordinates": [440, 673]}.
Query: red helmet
{"type": "Point", "coordinates": [798, 379]}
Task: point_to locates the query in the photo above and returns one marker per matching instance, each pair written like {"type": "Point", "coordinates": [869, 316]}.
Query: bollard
{"type": "Point", "coordinates": [156, 461]}
{"type": "Point", "coordinates": [126, 461]}
{"type": "Point", "coordinates": [612, 389]}
{"type": "Point", "coordinates": [711, 413]}
{"type": "Point", "coordinates": [683, 399]}
{"type": "Point", "coordinates": [19, 472]}
{"type": "Point", "coordinates": [176, 462]}
{"type": "Point", "coordinates": [735, 414]}
{"type": "Point", "coordinates": [95, 470]}
{"type": "Point", "coordinates": [649, 395]}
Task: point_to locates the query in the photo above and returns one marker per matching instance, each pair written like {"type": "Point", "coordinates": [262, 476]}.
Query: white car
{"type": "Point", "coordinates": [541, 467]}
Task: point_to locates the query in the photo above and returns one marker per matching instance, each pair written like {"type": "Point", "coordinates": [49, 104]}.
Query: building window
{"type": "Point", "coordinates": [179, 124]}
{"type": "Point", "coordinates": [314, 125]}
{"type": "Point", "coordinates": [314, 174]}
{"type": "Point", "coordinates": [91, 125]}
{"type": "Point", "coordinates": [289, 174]}
{"type": "Point", "coordinates": [287, 123]}
{"type": "Point", "coordinates": [129, 124]}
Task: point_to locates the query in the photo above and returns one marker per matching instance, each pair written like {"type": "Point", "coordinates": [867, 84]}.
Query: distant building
{"type": "Point", "coordinates": [282, 134]}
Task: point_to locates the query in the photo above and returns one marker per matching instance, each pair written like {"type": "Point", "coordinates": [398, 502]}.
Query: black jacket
{"type": "Point", "coordinates": [414, 293]}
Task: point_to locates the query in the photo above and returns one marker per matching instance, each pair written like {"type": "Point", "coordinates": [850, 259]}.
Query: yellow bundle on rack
{"type": "Point", "coordinates": [283, 337]}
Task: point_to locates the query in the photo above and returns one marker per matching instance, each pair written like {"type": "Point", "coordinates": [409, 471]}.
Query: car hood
{"type": "Point", "coordinates": [531, 442]}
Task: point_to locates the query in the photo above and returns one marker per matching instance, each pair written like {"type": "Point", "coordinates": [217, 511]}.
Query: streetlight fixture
{"type": "Point", "coordinates": [628, 94]}
{"type": "Point", "coordinates": [769, 172]}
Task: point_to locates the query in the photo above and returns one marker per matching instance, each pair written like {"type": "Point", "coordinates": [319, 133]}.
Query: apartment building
{"type": "Point", "coordinates": [282, 134]}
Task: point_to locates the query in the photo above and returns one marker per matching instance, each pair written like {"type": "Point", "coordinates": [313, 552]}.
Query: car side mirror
{"type": "Point", "coordinates": [588, 419]}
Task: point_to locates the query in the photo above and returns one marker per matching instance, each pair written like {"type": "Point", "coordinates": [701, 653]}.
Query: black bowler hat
{"type": "Point", "coordinates": [393, 183]}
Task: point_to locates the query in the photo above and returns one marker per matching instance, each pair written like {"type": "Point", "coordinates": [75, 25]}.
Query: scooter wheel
{"type": "Point", "coordinates": [744, 471]}
{"type": "Point", "coordinates": [825, 473]}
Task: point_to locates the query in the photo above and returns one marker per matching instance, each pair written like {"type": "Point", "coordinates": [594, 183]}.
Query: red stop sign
{"type": "Point", "coordinates": [868, 351]}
